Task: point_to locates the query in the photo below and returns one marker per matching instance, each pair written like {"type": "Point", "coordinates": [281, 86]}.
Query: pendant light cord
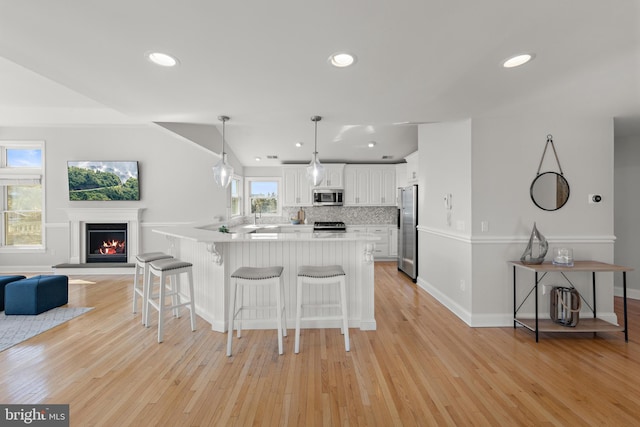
{"type": "Point", "coordinates": [315, 143]}
{"type": "Point", "coordinates": [315, 119]}
{"type": "Point", "coordinates": [223, 125]}
{"type": "Point", "coordinates": [223, 119]}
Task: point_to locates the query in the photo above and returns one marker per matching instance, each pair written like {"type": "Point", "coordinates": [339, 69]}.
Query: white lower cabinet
{"type": "Point", "coordinates": [393, 241]}
{"type": "Point", "coordinates": [385, 247]}
{"type": "Point", "coordinates": [382, 245]}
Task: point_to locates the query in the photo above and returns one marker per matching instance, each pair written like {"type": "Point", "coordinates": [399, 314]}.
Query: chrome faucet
{"type": "Point", "coordinates": [255, 217]}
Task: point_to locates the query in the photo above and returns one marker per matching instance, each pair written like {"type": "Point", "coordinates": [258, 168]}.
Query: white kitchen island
{"type": "Point", "coordinates": [216, 255]}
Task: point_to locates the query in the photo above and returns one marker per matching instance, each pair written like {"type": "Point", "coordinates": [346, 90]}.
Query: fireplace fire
{"type": "Point", "coordinates": [113, 247]}
{"type": "Point", "coordinates": [106, 243]}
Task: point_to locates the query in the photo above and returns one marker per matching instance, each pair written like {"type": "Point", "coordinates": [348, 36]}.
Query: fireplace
{"type": "Point", "coordinates": [80, 217]}
{"type": "Point", "coordinates": [106, 242]}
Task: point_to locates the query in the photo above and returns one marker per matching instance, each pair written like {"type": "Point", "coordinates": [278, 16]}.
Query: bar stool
{"type": "Point", "coordinates": [170, 268]}
{"type": "Point", "coordinates": [142, 266]}
{"type": "Point", "coordinates": [322, 275]}
{"type": "Point", "coordinates": [256, 276]}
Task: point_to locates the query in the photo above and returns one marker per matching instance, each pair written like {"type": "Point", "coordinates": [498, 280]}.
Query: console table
{"type": "Point", "coordinates": [584, 325]}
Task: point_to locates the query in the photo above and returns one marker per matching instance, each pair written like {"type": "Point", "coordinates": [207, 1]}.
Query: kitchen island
{"type": "Point", "coordinates": [216, 255]}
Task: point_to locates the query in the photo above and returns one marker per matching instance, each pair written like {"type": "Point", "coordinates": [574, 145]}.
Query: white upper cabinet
{"type": "Point", "coordinates": [297, 189]}
{"type": "Point", "coordinates": [356, 185]}
{"type": "Point", "coordinates": [369, 185]}
{"type": "Point", "coordinates": [334, 177]}
{"type": "Point", "coordinates": [412, 168]}
{"type": "Point", "coordinates": [383, 186]}
{"type": "Point", "coordinates": [350, 182]}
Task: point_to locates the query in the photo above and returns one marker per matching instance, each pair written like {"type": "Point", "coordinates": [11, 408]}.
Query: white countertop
{"type": "Point", "coordinates": [210, 236]}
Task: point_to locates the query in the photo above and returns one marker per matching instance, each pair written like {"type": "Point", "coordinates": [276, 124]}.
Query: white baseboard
{"type": "Point", "coordinates": [453, 306]}
{"type": "Point", "coordinates": [47, 269]}
{"type": "Point", "coordinates": [249, 324]}
{"type": "Point", "coordinates": [498, 320]}
{"type": "Point", "coordinates": [21, 269]}
{"type": "Point", "coordinates": [631, 293]}
{"type": "Point", "coordinates": [93, 271]}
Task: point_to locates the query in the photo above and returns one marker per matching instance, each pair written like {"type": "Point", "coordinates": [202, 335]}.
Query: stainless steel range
{"type": "Point", "coordinates": [329, 227]}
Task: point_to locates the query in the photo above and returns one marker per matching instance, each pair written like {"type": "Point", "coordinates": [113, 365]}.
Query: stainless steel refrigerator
{"type": "Point", "coordinates": [407, 231]}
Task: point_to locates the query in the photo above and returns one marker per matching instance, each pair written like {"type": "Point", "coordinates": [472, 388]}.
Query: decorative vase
{"type": "Point", "coordinates": [536, 249]}
{"type": "Point", "coordinates": [563, 256]}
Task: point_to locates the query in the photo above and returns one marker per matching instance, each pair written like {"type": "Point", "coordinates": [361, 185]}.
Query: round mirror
{"type": "Point", "coordinates": [550, 191]}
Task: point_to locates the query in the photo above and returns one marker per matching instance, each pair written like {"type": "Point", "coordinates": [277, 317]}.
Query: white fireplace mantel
{"type": "Point", "coordinates": [78, 217]}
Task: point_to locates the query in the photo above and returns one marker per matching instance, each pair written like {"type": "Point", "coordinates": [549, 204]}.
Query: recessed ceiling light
{"type": "Point", "coordinates": [371, 144]}
{"type": "Point", "coordinates": [162, 59]}
{"type": "Point", "coordinates": [342, 59]}
{"type": "Point", "coordinates": [299, 144]}
{"type": "Point", "coordinates": [258, 159]}
{"type": "Point", "coordinates": [518, 60]}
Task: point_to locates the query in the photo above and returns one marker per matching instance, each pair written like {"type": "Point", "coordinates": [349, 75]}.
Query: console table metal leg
{"type": "Point", "coordinates": [514, 297]}
{"type": "Point", "coordinates": [593, 284]}
{"type": "Point", "coordinates": [624, 303]}
{"type": "Point", "coordinates": [536, 292]}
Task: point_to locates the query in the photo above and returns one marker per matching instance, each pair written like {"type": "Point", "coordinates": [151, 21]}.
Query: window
{"type": "Point", "coordinates": [22, 195]}
{"type": "Point", "coordinates": [236, 197]}
{"type": "Point", "coordinates": [264, 196]}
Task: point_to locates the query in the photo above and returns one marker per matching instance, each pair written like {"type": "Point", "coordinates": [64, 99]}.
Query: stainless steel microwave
{"type": "Point", "coordinates": [327, 197]}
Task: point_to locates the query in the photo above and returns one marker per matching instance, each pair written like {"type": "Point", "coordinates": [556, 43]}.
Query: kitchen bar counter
{"type": "Point", "coordinates": [209, 236]}
{"type": "Point", "coordinates": [216, 255]}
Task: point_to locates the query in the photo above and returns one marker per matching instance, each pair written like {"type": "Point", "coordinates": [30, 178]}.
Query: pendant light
{"type": "Point", "coordinates": [315, 170]}
{"type": "Point", "coordinates": [222, 172]}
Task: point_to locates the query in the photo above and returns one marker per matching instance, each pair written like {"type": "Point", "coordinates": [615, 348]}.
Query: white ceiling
{"type": "Point", "coordinates": [264, 63]}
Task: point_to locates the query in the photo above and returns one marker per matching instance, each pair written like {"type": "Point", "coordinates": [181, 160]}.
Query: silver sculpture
{"type": "Point", "coordinates": [536, 249]}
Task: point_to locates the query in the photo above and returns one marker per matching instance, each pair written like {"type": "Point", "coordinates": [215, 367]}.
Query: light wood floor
{"type": "Point", "coordinates": [423, 366]}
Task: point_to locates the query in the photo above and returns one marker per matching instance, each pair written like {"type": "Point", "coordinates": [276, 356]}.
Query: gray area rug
{"type": "Point", "coordinates": [15, 329]}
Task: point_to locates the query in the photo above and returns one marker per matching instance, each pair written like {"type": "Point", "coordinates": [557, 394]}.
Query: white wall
{"type": "Point", "coordinates": [627, 211]}
{"type": "Point", "coordinates": [206, 136]}
{"type": "Point", "coordinates": [176, 181]}
{"type": "Point", "coordinates": [502, 156]}
{"type": "Point", "coordinates": [506, 155]}
{"type": "Point", "coordinates": [444, 252]}
{"type": "Point", "coordinates": [263, 171]}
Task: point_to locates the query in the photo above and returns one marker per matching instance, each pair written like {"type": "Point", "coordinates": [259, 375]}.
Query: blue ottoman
{"type": "Point", "coordinates": [36, 295]}
{"type": "Point", "coordinates": [4, 280]}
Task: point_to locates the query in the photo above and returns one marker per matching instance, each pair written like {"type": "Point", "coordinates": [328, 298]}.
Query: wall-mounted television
{"type": "Point", "coordinates": [97, 180]}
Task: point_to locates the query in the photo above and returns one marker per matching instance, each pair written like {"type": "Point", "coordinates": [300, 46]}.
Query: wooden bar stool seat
{"type": "Point", "coordinates": [322, 275]}
{"type": "Point", "coordinates": [256, 276]}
